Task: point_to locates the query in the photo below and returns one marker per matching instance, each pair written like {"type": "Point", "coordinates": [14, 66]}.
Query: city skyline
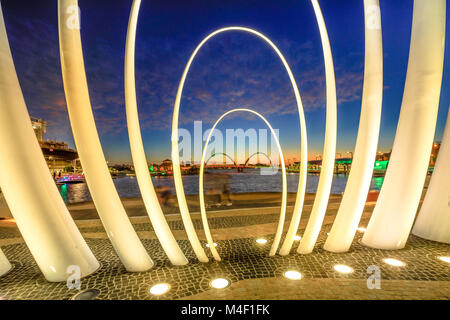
{"type": "Point", "coordinates": [234, 70]}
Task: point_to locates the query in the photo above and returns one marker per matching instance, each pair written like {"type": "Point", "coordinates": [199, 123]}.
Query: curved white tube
{"type": "Point", "coordinates": [143, 177]}
{"type": "Point", "coordinates": [358, 184]}
{"type": "Point", "coordinates": [279, 231]}
{"type": "Point", "coordinates": [5, 266]}
{"type": "Point", "coordinates": [110, 209]}
{"type": "Point", "coordinates": [319, 208]}
{"type": "Point", "coordinates": [196, 245]}
{"type": "Point", "coordinates": [394, 213]}
{"type": "Point", "coordinates": [31, 194]}
{"type": "Point", "coordinates": [433, 221]}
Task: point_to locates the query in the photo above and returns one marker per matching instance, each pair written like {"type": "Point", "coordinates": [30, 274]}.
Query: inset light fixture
{"type": "Point", "coordinates": [293, 275]}
{"type": "Point", "coordinates": [394, 262]}
{"type": "Point", "coordinates": [342, 268]}
{"type": "Point", "coordinates": [261, 241]}
{"type": "Point", "coordinates": [159, 289]}
{"type": "Point", "coordinates": [445, 259]}
{"type": "Point", "coordinates": [219, 283]}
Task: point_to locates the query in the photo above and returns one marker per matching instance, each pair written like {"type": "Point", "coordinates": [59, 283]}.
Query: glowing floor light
{"type": "Point", "coordinates": [261, 241]}
{"type": "Point", "coordinates": [293, 275]}
{"type": "Point", "coordinates": [394, 262]}
{"type": "Point", "coordinates": [297, 238]}
{"type": "Point", "coordinates": [361, 229]}
{"type": "Point", "coordinates": [219, 283]}
{"type": "Point", "coordinates": [207, 245]}
{"type": "Point", "coordinates": [445, 259]}
{"type": "Point", "coordinates": [342, 268]}
{"type": "Point", "coordinates": [159, 289]}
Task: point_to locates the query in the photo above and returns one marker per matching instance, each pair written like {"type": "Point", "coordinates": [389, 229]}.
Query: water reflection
{"type": "Point", "coordinates": [249, 181]}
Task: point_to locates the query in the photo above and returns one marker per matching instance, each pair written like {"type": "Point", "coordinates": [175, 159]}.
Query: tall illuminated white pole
{"type": "Point", "coordinates": [110, 209]}
{"type": "Point", "coordinates": [358, 184]}
{"type": "Point", "coordinates": [196, 245]}
{"type": "Point", "coordinates": [279, 231]}
{"type": "Point", "coordinates": [394, 213]}
{"type": "Point", "coordinates": [143, 177]}
{"type": "Point", "coordinates": [5, 266]}
{"type": "Point", "coordinates": [319, 208]}
{"type": "Point", "coordinates": [29, 189]}
{"type": "Point", "coordinates": [433, 220]}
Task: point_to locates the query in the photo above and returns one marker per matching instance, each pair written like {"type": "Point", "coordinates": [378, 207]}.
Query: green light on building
{"type": "Point", "coordinates": [380, 165]}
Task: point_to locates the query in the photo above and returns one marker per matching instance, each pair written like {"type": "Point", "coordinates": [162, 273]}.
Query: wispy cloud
{"type": "Point", "coordinates": [233, 70]}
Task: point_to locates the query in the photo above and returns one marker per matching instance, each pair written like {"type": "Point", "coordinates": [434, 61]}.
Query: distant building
{"type": "Point", "coordinates": [434, 153]}
{"type": "Point", "coordinates": [166, 165]}
{"type": "Point", "coordinates": [57, 154]}
{"type": "Point", "coordinates": [39, 127]}
{"type": "Point", "coordinates": [383, 156]}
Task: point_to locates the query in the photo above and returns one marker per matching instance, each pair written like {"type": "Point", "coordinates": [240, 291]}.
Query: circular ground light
{"type": "Point", "coordinates": [159, 289]}
{"type": "Point", "coordinates": [219, 283]}
{"type": "Point", "coordinates": [293, 275]}
{"type": "Point", "coordinates": [394, 262]}
{"type": "Point", "coordinates": [342, 268]}
{"type": "Point", "coordinates": [261, 241]}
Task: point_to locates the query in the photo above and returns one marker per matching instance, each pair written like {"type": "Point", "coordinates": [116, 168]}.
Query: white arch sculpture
{"type": "Point", "coordinates": [433, 221]}
{"type": "Point", "coordinates": [319, 208]}
{"type": "Point", "coordinates": [154, 211]}
{"type": "Point", "coordinates": [5, 266]}
{"type": "Point", "coordinates": [358, 184]}
{"type": "Point", "coordinates": [32, 196]}
{"type": "Point", "coordinates": [394, 213]}
{"type": "Point", "coordinates": [110, 209]}
{"type": "Point", "coordinates": [279, 231]}
{"type": "Point", "coordinates": [196, 245]}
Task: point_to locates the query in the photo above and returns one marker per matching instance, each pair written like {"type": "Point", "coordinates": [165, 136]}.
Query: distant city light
{"type": "Point", "coordinates": [261, 241]}
{"type": "Point", "coordinates": [219, 283]}
{"type": "Point", "coordinates": [394, 262]}
{"type": "Point", "coordinates": [342, 268]}
{"type": "Point", "coordinates": [159, 289]}
{"type": "Point", "coordinates": [293, 275]}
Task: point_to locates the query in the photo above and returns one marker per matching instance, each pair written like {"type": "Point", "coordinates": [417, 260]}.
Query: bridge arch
{"type": "Point", "coordinates": [206, 229]}
{"type": "Point", "coordinates": [256, 153]}
{"type": "Point", "coordinates": [182, 203]}
{"type": "Point", "coordinates": [222, 153]}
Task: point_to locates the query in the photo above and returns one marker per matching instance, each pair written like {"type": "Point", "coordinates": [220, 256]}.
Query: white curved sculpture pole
{"type": "Point", "coordinates": [5, 266]}
{"type": "Point", "coordinates": [433, 221]}
{"type": "Point", "coordinates": [358, 184]}
{"type": "Point", "coordinates": [175, 151]}
{"type": "Point", "coordinates": [279, 231]}
{"type": "Point", "coordinates": [400, 194]}
{"type": "Point", "coordinates": [143, 177]}
{"type": "Point", "coordinates": [110, 209]}
{"type": "Point", "coordinates": [329, 150]}
{"type": "Point", "coordinates": [29, 189]}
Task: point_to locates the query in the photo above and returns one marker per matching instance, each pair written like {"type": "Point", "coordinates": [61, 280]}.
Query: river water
{"type": "Point", "coordinates": [249, 181]}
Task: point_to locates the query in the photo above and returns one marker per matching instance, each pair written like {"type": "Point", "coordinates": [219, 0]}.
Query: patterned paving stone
{"type": "Point", "coordinates": [244, 262]}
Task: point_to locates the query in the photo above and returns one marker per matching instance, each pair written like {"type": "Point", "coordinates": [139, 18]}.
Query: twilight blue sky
{"type": "Point", "coordinates": [234, 69]}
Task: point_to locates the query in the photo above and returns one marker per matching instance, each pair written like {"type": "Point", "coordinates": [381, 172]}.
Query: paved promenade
{"type": "Point", "coordinates": [246, 264]}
